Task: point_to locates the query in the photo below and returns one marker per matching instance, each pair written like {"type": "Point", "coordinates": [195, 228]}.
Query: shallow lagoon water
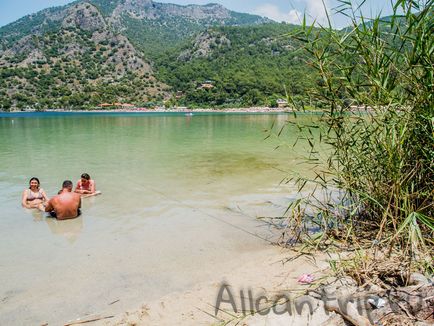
{"type": "Point", "coordinates": [180, 199]}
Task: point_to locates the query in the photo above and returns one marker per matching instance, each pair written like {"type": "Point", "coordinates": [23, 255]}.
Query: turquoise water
{"type": "Point", "coordinates": [180, 200]}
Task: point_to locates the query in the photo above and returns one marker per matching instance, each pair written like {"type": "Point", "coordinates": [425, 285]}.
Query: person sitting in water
{"type": "Point", "coordinates": [85, 186]}
{"type": "Point", "coordinates": [34, 195]}
{"type": "Point", "coordinates": [66, 205]}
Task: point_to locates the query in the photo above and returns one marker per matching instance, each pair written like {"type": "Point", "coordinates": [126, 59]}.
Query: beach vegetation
{"type": "Point", "coordinates": [373, 193]}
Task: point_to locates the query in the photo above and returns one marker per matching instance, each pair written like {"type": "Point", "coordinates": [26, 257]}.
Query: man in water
{"type": "Point", "coordinates": [66, 204]}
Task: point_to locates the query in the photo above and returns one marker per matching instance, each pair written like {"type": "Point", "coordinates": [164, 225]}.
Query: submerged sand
{"type": "Point", "coordinates": [180, 211]}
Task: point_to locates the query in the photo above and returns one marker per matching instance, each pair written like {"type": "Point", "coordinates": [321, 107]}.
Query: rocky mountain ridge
{"type": "Point", "coordinates": [95, 51]}
{"type": "Point", "coordinates": [116, 11]}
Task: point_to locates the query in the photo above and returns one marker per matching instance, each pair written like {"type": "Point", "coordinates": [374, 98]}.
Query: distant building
{"type": "Point", "coordinates": [117, 104]}
{"type": "Point", "coordinates": [207, 84]}
{"type": "Point", "coordinates": [281, 103]}
{"type": "Point", "coordinates": [179, 95]}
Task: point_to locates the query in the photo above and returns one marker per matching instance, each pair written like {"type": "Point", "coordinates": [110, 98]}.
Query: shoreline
{"type": "Point", "coordinates": [175, 110]}
{"type": "Point", "coordinates": [187, 111]}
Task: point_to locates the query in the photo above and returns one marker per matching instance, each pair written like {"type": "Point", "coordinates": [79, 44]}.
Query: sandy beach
{"type": "Point", "coordinates": [264, 273]}
{"type": "Point", "coordinates": [233, 110]}
{"type": "Point", "coordinates": [172, 110]}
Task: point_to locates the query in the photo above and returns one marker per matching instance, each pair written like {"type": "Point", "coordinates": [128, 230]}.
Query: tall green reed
{"type": "Point", "coordinates": [376, 83]}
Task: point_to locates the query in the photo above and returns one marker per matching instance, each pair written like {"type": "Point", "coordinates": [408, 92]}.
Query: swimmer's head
{"type": "Point", "coordinates": [34, 182]}
{"type": "Point", "coordinates": [85, 177]}
{"type": "Point", "coordinates": [67, 184]}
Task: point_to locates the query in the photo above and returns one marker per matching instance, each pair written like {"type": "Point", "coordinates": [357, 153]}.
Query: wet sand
{"type": "Point", "coordinates": [261, 272]}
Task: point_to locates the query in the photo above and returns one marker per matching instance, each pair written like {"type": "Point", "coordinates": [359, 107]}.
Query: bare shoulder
{"type": "Point", "coordinates": [53, 199]}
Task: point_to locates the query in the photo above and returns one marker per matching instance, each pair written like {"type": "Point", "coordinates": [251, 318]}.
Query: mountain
{"type": "Point", "coordinates": [146, 23]}
{"type": "Point", "coordinates": [245, 66]}
{"type": "Point", "coordinates": [90, 52]}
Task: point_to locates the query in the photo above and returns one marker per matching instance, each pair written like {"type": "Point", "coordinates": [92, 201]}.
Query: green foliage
{"type": "Point", "coordinates": [238, 18]}
{"type": "Point", "coordinates": [156, 36]}
{"type": "Point", "coordinates": [381, 159]}
{"type": "Point", "coordinates": [39, 82]}
{"type": "Point", "coordinates": [251, 65]}
{"type": "Point", "coordinates": [25, 26]}
{"type": "Point", "coordinates": [79, 80]}
{"type": "Point", "coordinates": [106, 7]}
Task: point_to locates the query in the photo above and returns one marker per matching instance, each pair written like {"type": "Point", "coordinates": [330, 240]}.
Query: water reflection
{"type": "Point", "coordinates": [38, 216]}
{"type": "Point", "coordinates": [69, 229]}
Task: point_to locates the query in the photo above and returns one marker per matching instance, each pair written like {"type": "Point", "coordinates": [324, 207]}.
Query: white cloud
{"type": "Point", "coordinates": [314, 10]}
{"type": "Point", "coordinates": [294, 17]}
{"type": "Point", "coordinates": [272, 11]}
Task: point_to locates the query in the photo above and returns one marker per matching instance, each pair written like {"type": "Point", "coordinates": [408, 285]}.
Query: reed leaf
{"type": "Point", "coordinates": [376, 82]}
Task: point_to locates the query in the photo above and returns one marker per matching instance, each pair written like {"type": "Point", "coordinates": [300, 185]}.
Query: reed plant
{"type": "Point", "coordinates": [376, 83]}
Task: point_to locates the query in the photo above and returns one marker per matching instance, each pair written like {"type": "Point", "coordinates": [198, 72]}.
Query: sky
{"type": "Point", "coordinates": [290, 11]}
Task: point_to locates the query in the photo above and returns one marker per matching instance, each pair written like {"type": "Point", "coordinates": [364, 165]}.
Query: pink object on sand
{"type": "Point", "coordinates": [306, 279]}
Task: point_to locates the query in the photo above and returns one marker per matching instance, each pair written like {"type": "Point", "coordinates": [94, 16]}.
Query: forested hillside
{"type": "Point", "coordinates": [142, 52]}
{"type": "Point", "coordinates": [250, 65]}
{"type": "Point", "coordinates": [80, 65]}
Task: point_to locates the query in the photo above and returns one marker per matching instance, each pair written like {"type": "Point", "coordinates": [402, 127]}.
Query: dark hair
{"type": "Point", "coordinates": [36, 179]}
{"type": "Point", "coordinates": [67, 184]}
{"type": "Point", "coordinates": [85, 176]}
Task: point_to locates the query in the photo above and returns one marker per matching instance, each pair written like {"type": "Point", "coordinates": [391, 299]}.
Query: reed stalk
{"type": "Point", "coordinates": [376, 82]}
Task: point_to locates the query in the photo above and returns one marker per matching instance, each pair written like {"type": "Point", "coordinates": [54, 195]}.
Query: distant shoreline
{"type": "Point", "coordinates": [174, 110]}
{"type": "Point", "coordinates": [180, 110]}
{"type": "Point", "coordinates": [258, 109]}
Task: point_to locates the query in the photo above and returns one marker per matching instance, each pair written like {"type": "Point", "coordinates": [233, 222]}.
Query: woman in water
{"type": "Point", "coordinates": [85, 186]}
{"type": "Point", "coordinates": [33, 196]}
